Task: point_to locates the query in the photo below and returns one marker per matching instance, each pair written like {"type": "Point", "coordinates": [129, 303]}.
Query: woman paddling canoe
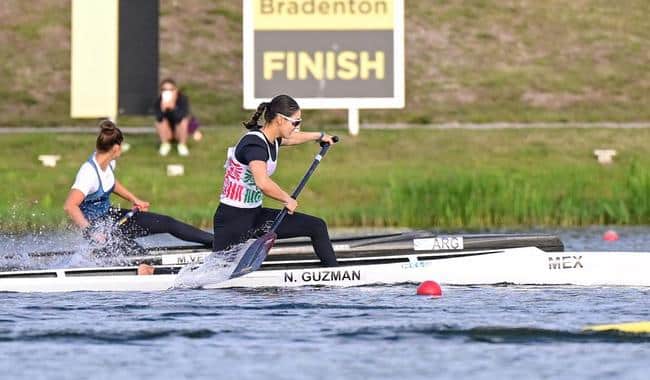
{"type": "Point", "coordinates": [89, 207]}
{"type": "Point", "coordinates": [249, 166]}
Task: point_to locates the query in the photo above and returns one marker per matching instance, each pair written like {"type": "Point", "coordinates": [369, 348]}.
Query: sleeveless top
{"type": "Point", "coordinates": [239, 189]}
{"type": "Point", "coordinates": [97, 204]}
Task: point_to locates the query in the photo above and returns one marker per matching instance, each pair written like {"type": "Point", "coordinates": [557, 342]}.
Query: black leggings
{"type": "Point", "coordinates": [234, 225]}
{"type": "Point", "coordinates": [148, 223]}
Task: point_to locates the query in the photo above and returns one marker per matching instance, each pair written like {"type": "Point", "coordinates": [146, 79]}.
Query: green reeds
{"type": "Point", "coordinates": [515, 199]}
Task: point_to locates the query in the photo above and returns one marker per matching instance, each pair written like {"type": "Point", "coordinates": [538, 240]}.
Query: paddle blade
{"type": "Point", "coordinates": [255, 255]}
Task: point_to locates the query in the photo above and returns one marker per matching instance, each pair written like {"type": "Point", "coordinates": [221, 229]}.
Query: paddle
{"type": "Point", "coordinates": [257, 252]}
{"type": "Point", "coordinates": [125, 218]}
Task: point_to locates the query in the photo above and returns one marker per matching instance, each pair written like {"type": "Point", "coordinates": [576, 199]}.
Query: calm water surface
{"type": "Point", "coordinates": [480, 332]}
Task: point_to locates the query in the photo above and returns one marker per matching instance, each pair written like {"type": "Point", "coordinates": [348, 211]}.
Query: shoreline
{"type": "Point", "coordinates": [145, 130]}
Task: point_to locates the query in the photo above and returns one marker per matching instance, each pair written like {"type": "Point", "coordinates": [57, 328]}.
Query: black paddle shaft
{"type": "Point", "coordinates": [323, 151]}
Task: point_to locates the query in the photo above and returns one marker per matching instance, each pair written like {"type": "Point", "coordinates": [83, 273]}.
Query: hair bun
{"type": "Point", "coordinates": [107, 125]}
{"type": "Point", "coordinates": [109, 135]}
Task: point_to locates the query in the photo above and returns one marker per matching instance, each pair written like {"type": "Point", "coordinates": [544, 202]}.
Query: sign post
{"type": "Point", "coordinates": [114, 58]}
{"type": "Point", "coordinates": [353, 121]}
{"type": "Point", "coordinates": [326, 54]}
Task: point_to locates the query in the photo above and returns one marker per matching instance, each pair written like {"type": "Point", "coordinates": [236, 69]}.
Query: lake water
{"type": "Point", "coordinates": [387, 332]}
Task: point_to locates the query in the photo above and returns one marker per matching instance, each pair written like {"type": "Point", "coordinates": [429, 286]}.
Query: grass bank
{"type": "Point", "coordinates": [450, 179]}
{"type": "Point", "coordinates": [467, 61]}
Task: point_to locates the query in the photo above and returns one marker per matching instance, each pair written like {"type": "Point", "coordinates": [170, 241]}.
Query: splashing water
{"type": "Point", "coordinates": [112, 249]}
{"type": "Point", "coordinates": [82, 255]}
{"type": "Point", "coordinates": [54, 250]}
{"type": "Point", "coordinates": [15, 261]}
{"type": "Point", "coordinates": [33, 250]}
{"type": "Point", "coordinates": [14, 246]}
{"type": "Point", "coordinates": [89, 256]}
{"type": "Point", "coordinates": [217, 267]}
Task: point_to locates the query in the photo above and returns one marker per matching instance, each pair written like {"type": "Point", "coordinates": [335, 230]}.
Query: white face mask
{"type": "Point", "coordinates": [167, 95]}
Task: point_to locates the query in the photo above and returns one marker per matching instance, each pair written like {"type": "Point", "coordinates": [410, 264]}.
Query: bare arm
{"type": "Point", "coordinates": [71, 207]}
{"type": "Point", "coordinates": [270, 188]}
{"type": "Point", "coordinates": [303, 137]}
{"type": "Point", "coordinates": [127, 195]}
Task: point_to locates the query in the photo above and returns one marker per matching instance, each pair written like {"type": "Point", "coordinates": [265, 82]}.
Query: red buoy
{"type": "Point", "coordinates": [610, 235]}
{"type": "Point", "coordinates": [429, 288]}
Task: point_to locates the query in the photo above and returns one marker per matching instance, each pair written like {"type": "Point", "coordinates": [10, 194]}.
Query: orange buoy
{"type": "Point", "coordinates": [429, 288]}
{"type": "Point", "coordinates": [610, 235]}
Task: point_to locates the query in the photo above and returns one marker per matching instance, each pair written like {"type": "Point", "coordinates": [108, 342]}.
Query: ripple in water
{"type": "Point", "coordinates": [102, 336]}
{"type": "Point", "coordinates": [490, 334]}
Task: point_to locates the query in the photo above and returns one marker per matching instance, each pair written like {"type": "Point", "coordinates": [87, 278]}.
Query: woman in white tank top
{"type": "Point", "coordinates": [88, 203]}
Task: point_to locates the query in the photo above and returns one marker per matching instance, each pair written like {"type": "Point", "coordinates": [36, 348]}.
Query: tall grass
{"type": "Point", "coordinates": [637, 195]}
{"type": "Point", "coordinates": [504, 199]}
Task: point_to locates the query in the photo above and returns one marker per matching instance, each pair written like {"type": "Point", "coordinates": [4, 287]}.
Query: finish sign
{"type": "Point", "coordinates": [325, 53]}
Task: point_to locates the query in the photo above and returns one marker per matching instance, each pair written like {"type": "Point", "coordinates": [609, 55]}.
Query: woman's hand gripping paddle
{"type": "Point", "coordinates": [257, 252]}
{"type": "Point", "coordinates": [100, 239]}
{"type": "Point", "coordinates": [126, 217]}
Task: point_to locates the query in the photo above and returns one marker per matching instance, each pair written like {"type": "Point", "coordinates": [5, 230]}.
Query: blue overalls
{"type": "Point", "coordinates": [97, 204]}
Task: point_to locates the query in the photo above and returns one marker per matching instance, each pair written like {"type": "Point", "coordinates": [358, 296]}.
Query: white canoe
{"type": "Point", "coordinates": [523, 265]}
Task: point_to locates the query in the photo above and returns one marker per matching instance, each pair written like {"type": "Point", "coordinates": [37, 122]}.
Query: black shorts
{"type": "Point", "coordinates": [174, 118]}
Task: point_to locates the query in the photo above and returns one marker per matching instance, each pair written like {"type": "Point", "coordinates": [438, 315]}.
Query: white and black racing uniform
{"type": "Point", "coordinates": [240, 214]}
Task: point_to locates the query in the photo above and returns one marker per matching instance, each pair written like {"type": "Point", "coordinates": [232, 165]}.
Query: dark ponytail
{"type": "Point", "coordinates": [283, 104]}
{"type": "Point", "coordinates": [253, 122]}
{"type": "Point", "coordinates": [109, 135]}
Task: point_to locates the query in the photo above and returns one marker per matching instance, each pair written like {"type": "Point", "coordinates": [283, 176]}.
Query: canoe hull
{"type": "Point", "coordinates": [526, 265]}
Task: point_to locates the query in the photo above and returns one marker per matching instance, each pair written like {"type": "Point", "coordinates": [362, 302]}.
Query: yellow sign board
{"type": "Point", "coordinates": [94, 66]}
{"type": "Point", "coordinates": [325, 53]}
{"type": "Point", "coordinates": [323, 15]}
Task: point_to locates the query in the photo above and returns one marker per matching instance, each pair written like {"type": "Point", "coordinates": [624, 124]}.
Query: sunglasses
{"type": "Point", "coordinates": [168, 89]}
{"type": "Point", "coordinates": [294, 122]}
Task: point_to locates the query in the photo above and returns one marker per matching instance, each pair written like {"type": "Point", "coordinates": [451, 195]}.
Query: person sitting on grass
{"type": "Point", "coordinates": [173, 119]}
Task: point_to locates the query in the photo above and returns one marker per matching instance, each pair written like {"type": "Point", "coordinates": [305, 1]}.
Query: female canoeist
{"type": "Point", "coordinates": [249, 166]}
{"type": "Point", "coordinates": [88, 201]}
